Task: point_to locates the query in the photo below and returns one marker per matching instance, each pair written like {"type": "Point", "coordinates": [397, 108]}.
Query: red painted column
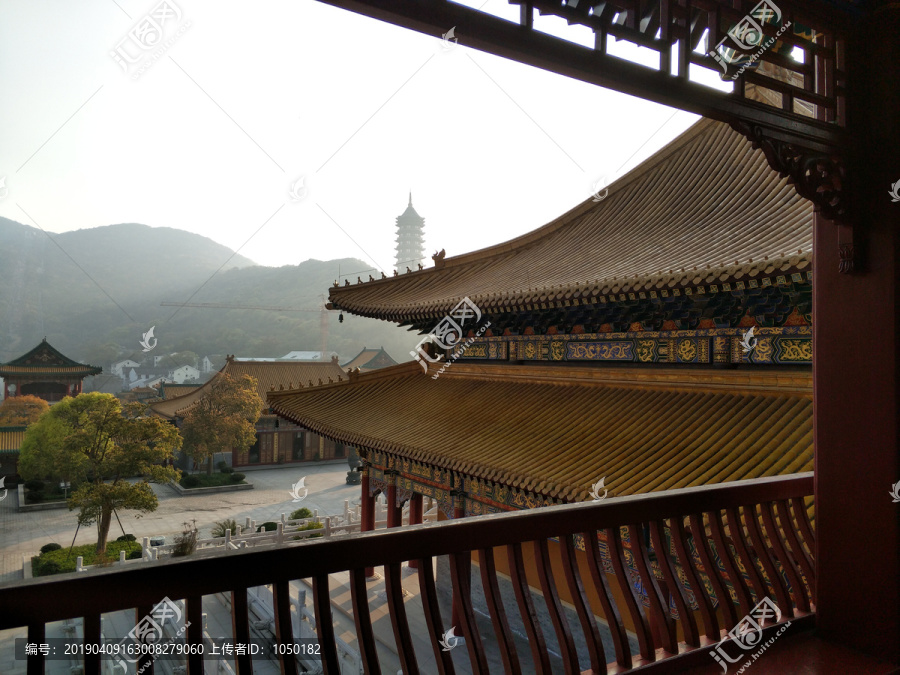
{"type": "Point", "coordinates": [367, 509]}
{"type": "Point", "coordinates": [855, 364]}
{"type": "Point", "coordinates": [394, 512]}
{"type": "Point", "coordinates": [459, 511]}
{"type": "Point", "coordinates": [415, 518]}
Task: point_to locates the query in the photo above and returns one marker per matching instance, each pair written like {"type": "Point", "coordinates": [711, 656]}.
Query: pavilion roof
{"type": "Point", "coordinates": [45, 359]}
{"type": "Point", "coordinates": [268, 374]}
{"type": "Point", "coordinates": [704, 209]}
{"type": "Point", "coordinates": [557, 430]}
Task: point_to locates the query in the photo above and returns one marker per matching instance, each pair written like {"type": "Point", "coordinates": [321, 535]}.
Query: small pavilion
{"type": "Point", "coordinates": [45, 372]}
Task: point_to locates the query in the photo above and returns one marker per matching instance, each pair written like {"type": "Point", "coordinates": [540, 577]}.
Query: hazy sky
{"type": "Point", "coordinates": [246, 98]}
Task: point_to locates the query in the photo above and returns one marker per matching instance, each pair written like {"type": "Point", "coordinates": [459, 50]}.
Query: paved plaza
{"type": "Point", "coordinates": [22, 535]}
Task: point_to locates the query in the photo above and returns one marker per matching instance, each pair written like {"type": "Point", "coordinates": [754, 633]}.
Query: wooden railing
{"type": "Point", "coordinates": [758, 526]}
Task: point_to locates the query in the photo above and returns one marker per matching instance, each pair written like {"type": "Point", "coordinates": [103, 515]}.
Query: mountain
{"type": "Point", "coordinates": [94, 292]}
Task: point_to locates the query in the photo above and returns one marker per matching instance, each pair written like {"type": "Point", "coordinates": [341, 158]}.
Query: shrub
{"type": "Point", "coordinates": [34, 497]}
{"type": "Point", "coordinates": [189, 481]}
{"type": "Point", "coordinates": [46, 548]}
{"type": "Point", "coordinates": [126, 537]}
{"type": "Point", "coordinates": [62, 560]}
{"type": "Point", "coordinates": [49, 567]}
{"type": "Point", "coordinates": [301, 513]}
{"type": "Point", "coordinates": [237, 477]}
{"type": "Point", "coordinates": [219, 528]}
{"type": "Point", "coordinates": [226, 469]}
{"type": "Point", "coordinates": [34, 485]}
{"type": "Point", "coordinates": [222, 465]}
{"type": "Point", "coordinates": [135, 555]}
{"type": "Point", "coordinates": [268, 526]}
{"type": "Point", "coordinates": [314, 525]}
{"type": "Point", "coordinates": [186, 542]}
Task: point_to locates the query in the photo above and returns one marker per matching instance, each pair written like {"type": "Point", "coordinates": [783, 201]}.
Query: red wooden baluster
{"type": "Point", "coordinates": [240, 629]}
{"type": "Point", "coordinates": [764, 553]}
{"type": "Point", "coordinates": [692, 576]}
{"type": "Point", "coordinates": [670, 576]}
{"type": "Point", "coordinates": [399, 623]}
{"type": "Point", "coordinates": [428, 593]}
{"type": "Point", "coordinates": [492, 596]}
{"type": "Point", "coordinates": [460, 571]}
{"type": "Point", "coordinates": [630, 594]}
{"type": "Point", "coordinates": [745, 556]}
{"type": "Point", "coordinates": [704, 549]}
{"type": "Point", "coordinates": [194, 616]}
{"type": "Point", "coordinates": [582, 607]}
{"type": "Point", "coordinates": [728, 558]}
{"type": "Point", "coordinates": [324, 626]}
{"type": "Point", "coordinates": [281, 603]}
{"type": "Point", "coordinates": [555, 608]}
{"type": "Point", "coordinates": [610, 609]}
{"type": "Point", "coordinates": [362, 617]}
{"type": "Point", "coordinates": [659, 603]}
{"type": "Point", "coordinates": [800, 555]}
{"type": "Point", "coordinates": [526, 610]}
{"type": "Point", "coordinates": [774, 535]}
{"type": "Point", "coordinates": [802, 515]}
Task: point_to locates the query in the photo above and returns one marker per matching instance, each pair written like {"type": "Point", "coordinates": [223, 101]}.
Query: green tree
{"type": "Point", "coordinates": [225, 418]}
{"type": "Point", "coordinates": [94, 441]}
{"type": "Point", "coordinates": [20, 411]}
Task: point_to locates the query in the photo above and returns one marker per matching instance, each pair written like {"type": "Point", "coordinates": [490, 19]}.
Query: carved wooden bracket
{"type": "Point", "coordinates": [817, 176]}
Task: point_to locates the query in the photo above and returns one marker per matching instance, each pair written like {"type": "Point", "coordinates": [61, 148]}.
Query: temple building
{"type": "Point", "coordinates": [658, 339]}
{"type": "Point", "coordinates": [410, 239]}
{"type": "Point", "coordinates": [369, 359]}
{"type": "Point", "coordinates": [277, 442]}
{"type": "Point", "coordinates": [46, 373]}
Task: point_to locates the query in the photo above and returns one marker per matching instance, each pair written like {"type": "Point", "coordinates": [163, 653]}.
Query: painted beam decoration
{"type": "Point", "coordinates": [773, 346]}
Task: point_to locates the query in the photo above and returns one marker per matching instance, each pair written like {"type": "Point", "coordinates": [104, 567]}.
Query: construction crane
{"type": "Point", "coordinates": [323, 315]}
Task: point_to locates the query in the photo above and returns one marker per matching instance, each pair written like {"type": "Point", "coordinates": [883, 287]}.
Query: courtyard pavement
{"type": "Point", "coordinates": [23, 534]}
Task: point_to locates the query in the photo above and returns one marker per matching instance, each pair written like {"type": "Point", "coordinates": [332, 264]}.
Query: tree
{"type": "Point", "coordinates": [20, 411]}
{"type": "Point", "coordinates": [225, 417]}
{"type": "Point", "coordinates": [95, 442]}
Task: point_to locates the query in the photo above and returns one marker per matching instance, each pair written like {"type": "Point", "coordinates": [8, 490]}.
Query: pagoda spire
{"type": "Point", "coordinates": [410, 251]}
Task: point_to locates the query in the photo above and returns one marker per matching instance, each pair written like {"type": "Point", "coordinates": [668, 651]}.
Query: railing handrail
{"type": "Point", "coordinates": [44, 599]}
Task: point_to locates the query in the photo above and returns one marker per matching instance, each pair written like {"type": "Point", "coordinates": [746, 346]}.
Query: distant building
{"type": "Point", "coordinates": [277, 441]}
{"type": "Point", "coordinates": [46, 373]}
{"type": "Point", "coordinates": [370, 359]}
{"type": "Point", "coordinates": [410, 239]}
{"type": "Point", "coordinates": [184, 373]}
{"type": "Point", "coordinates": [120, 367]}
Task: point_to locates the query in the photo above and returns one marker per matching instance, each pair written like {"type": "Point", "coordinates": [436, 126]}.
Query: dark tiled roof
{"type": "Point", "coordinates": [370, 359]}
{"type": "Point", "coordinates": [556, 431]}
{"type": "Point", "coordinates": [44, 359]}
{"type": "Point", "coordinates": [706, 208]}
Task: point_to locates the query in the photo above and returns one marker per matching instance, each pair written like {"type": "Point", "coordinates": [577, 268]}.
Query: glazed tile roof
{"type": "Point", "coordinates": [11, 439]}
{"type": "Point", "coordinates": [706, 207]}
{"type": "Point", "coordinates": [45, 359]}
{"type": "Point", "coordinates": [168, 390]}
{"type": "Point", "coordinates": [555, 430]}
{"type": "Point", "coordinates": [268, 374]}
